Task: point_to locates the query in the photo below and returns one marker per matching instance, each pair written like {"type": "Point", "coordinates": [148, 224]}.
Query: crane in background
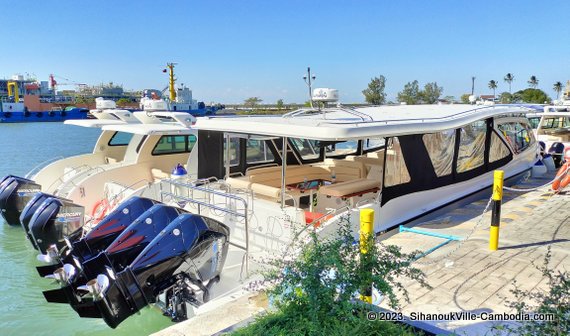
{"type": "Point", "coordinates": [53, 84]}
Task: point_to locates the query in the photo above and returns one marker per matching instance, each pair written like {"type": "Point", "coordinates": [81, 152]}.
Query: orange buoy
{"type": "Point", "coordinates": [562, 178]}
{"type": "Point", "coordinates": [100, 209]}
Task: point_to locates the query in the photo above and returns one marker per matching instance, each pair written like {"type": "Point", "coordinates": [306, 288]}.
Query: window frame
{"type": "Point", "coordinates": [110, 144]}
{"type": "Point", "coordinates": [170, 136]}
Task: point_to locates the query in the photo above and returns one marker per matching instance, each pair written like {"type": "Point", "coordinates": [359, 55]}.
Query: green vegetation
{"type": "Point", "coordinates": [411, 94]}
{"type": "Point", "coordinates": [493, 86]}
{"type": "Point", "coordinates": [557, 88]}
{"type": "Point", "coordinates": [465, 98]}
{"type": "Point", "coordinates": [533, 82]}
{"type": "Point", "coordinates": [509, 78]}
{"type": "Point", "coordinates": [431, 93]}
{"type": "Point", "coordinates": [280, 104]}
{"type": "Point", "coordinates": [530, 96]}
{"type": "Point", "coordinates": [124, 102]}
{"type": "Point", "coordinates": [506, 98]}
{"type": "Point", "coordinates": [84, 100]}
{"type": "Point", "coordinates": [252, 102]}
{"type": "Point", "coordinates": [314, 290]}
{"type": "Point", "coordinates": [375, 94]}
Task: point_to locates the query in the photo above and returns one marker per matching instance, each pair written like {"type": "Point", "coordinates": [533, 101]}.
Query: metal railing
{"type": "Point", "coordinates": [41, 165]}
{"type": "Point", "coordinates": [65, 185]}
{"type": "Point", "coordinates": [192, 186]}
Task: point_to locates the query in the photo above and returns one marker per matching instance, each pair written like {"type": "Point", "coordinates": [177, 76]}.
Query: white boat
{"type": "Point", "coordinates": [268, 180]}
{"type": "Point", "coordinates": [58, 173]}
{"type": "Point", "coordinates": [134, 150]}
{"type": "Point", "coordinates": [553, 130]}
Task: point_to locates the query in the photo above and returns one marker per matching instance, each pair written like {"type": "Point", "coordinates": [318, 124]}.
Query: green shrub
{"type": "Point", "coordinates": [314, 289]}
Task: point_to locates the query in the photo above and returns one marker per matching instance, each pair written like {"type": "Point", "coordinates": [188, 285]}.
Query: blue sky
{"type": "Point", "coordinates": [228, 51]}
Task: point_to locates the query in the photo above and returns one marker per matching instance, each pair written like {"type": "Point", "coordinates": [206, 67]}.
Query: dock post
{"type": "Point", "coordinates": [496, 214]}
{"type": "Point", "coordinates": [366, 238]}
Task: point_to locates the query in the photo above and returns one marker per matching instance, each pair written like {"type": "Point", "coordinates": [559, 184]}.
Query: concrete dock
{"type": "Point", "coordinates": [468, 277]}
{"type": "Point", "coordinates": [465, 276]}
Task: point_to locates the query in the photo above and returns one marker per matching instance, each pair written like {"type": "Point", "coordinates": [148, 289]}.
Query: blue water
{"type": "Point", "coordinates": [23, 309]}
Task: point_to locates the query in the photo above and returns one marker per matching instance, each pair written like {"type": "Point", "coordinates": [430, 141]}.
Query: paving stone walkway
{"type": "Point", "coordinates": [471, 278]}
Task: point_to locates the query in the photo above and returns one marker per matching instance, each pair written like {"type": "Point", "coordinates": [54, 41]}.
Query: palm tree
{"type": "Point", "coordinates": [509, 78]}
{"type": "Point", "coordinates": [493, 86]}
{"type": "Point", "coordinates": [533, 81]}
{"type": "Point", "coordinates": [557, 88]}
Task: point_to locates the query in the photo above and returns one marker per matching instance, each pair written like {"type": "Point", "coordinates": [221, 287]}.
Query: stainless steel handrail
{"type": "Point", "coordinates": [41, 165]}
{"type": "Point", "coordinates": [192, 186]}
{"type": "Point", "coordinates": [63, 185]}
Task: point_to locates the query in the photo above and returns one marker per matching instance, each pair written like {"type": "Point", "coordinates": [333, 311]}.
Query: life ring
{"type": "Point", "coordinates": [562, 178]}
{"type": "Point", "coordinates": [100, 209]}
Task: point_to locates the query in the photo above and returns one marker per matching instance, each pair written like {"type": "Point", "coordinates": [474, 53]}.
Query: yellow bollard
{"type": "Point", "coordinates": [366, 232]}
{"type": "Point", "coordinates": [499, 175]}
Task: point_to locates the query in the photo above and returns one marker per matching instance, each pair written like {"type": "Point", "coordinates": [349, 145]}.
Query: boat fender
{"type": "Point", "coordinates": [39, 114]}
{"type": "Point", "coordinates": [562, 178]}
{"type": "Point", "coordinates": [100, 209]}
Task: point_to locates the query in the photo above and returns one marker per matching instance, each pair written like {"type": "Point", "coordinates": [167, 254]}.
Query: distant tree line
{"type": "Point", "coordinates": [411, 94]}
{"type": "Point", "coordinates": [529, 95]}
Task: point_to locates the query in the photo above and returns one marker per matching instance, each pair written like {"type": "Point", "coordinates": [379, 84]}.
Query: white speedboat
{"type": "Point", "coordinates": [126, 157]}
{"type": "Point", "coordinates": [553, 130]}
{"type": "Point", "coordinates": [59, 173]}
{"type": "Point", "coordinates": [264, 181]}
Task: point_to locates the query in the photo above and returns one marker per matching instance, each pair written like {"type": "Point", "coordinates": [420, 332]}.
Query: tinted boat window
{"type": "Point", "coordinates": [307, 148]}
{"type": "Point", "coordinates": [440, 149]}
{"type": "Point", "coordinates": [120, 139]}
{"type": "Point", "coordinates": [519, 136]}
{"type": "Point", "coordinates": [471, 146]}
{"type": "Point", "coordinates": [342, 148]}
{"type": "Point", "coordinates": [534, 121]}
{"type": "Point", "coordinates": [373, 144]}
{"type": "Point", "coordinates": [555, 122]}
{"type": "Point", "coordinates": [498, 148]}
{"type": "Point", "coordinates": [396, 170]}
{"type": "Point", "coordinates": [173, 144]}
{"type": "Point", "coordinates": [234, 151]}
{"type": "Point", "coordinates": [258, 152]}
{"type": "Point", "coordinates": [191, 142]}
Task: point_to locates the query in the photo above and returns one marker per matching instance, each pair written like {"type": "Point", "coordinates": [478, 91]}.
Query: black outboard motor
{"type": "Point", "coordinates": [15, 192]}
{"type": "Point", "coordinates": [101, 236]}
{"type": "Point", "coordinates": [183, 260]}
{"type": "Point", "coordinates": [119, 254]}
{"type": "Point", "coordinates": [127, 246]}
{"type": "Point", "coordinates": [55, 219]}
{"type": "Point", "coordinates": [29, 211]}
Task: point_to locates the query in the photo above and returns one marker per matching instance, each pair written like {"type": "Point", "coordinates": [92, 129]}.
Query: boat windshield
{"type": "Point", "coordinates": [308, 149]}
{"type": "Point", "coordinates": [555, 122]}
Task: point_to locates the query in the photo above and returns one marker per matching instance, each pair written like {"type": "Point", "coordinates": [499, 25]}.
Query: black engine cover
{"type": "Point", "coordinates": [15, 192]}
{"type": "Point", "coordinates": [55, 219]}
{"type": "Point", "coordinates": [193, 245]}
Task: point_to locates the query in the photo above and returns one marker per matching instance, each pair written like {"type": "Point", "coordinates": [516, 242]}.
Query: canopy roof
{"type": "Point", "coordinates": [345, 123]}
{"type": "Point", "coordinates": [150, 129]}
{"type": "Point", "coordinates": [93, 123]}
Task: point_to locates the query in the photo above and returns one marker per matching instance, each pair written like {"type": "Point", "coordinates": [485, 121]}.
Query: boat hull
{"type": "Point", "coordinates": [43, 116]}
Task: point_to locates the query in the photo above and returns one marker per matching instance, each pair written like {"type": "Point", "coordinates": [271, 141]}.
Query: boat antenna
{"type": "Point", "coordinates": [309, 79]}
{"type": "Point", "coordinates": [171, 88]}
